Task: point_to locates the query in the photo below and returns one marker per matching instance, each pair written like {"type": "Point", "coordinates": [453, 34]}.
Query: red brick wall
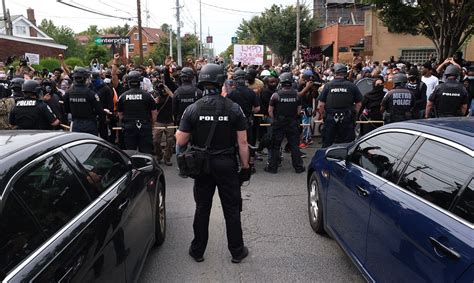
{"type": "Point", "coordinates": [340, 35]}
{"type": "Point", "coordinates": [10, 47]}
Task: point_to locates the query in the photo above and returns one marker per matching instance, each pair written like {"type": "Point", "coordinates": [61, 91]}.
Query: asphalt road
{"type": "Point", "coordinates": [282, 245]}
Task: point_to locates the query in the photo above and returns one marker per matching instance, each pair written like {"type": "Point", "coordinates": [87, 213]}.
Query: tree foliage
{"type": "Point", "coordinates": [448, 23]}
{"type": "Point", "coordinates": [94, 51]}
{"type": "Point", "coordinates": [276, 28]}
{"type": "Point", "coordinates": [118, 30]}
{"type": "Point", "coordinates": [63, 35]}
{"type": "Point", "coordinates": [189, 43]}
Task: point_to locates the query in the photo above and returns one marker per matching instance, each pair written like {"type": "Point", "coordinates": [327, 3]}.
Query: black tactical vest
{"type": "Point", "coordinates": [340, 95]}
{"type": "Point", "coordinates": [287, 105]}
{"type": "Point", "coordinates": [449, 99]}
{"type": "Point", "coordinates": [81, 107]}
{"type": "Point", "coordinates": [400, 104]}
{"type": "Point", "coordinates": [28, 114]}
{"type": "Point", "coordinates": [188, 94]}
{"type": "Point", "coordinates": [136, 105]}
{"type": "Point", "coordinates": [209, 109]}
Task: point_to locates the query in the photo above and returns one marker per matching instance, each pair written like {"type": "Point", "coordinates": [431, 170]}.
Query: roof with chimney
{"type": "Point", "coordinates": [149, 34]}
{"type": "Point", "coordinates": [20, 21]}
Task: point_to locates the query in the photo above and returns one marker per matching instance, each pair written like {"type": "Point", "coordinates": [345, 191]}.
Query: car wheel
{"type": "Point", "coordinates": [315, 209]}
{"type": "Point", "coordinates": [160, 215]}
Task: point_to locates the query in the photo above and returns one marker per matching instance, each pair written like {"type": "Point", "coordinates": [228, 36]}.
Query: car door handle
{"type": "Point", "coordinates": [124, 205]}
{"type": "Point", "coordinates": [361, 191]}
{"type": "Point", "coordinates": [445, 250]}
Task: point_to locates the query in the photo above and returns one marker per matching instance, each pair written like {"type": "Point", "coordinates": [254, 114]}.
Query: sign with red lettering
{"type": "Point", "coordinates": [209, 39]}
{"type": "Point", "coordinates": [248, 54]}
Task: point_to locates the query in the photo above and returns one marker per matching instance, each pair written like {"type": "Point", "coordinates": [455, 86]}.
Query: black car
{"type": "Point", "coordinates": [74, 208]}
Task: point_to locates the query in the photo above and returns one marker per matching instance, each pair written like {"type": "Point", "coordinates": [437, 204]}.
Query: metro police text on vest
{"type": "Point", "coordinates": [401, 98]}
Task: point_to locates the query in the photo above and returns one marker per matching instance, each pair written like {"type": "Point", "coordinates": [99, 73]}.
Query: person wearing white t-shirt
{"type": "Point", "coordinates": [428, 78]}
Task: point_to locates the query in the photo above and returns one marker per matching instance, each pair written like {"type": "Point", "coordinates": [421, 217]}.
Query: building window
{"type": "Point", "coordinates": [20, 30]}
{"type": "Point", "coordinates": [145, 47]}
{"type": "Point", "coordinates": [131, 47]}
{"type": "Point", "coordinates": [135, 35]}
{"type": "Point", "coordinates": [417, 56]}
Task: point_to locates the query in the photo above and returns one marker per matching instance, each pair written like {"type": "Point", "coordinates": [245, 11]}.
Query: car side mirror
{"type": "Point", "coordinates": [142, 162]}
{"type": "Point", "coordinates": [337, 153]}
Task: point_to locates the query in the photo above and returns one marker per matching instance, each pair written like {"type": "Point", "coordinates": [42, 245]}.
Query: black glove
{"type": "Point", "coordinates": [244, 175]}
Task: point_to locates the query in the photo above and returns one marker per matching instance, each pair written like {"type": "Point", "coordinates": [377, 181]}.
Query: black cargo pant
{"type": "Point", "coordinates": [338, 131]}
{"type": "Point", "coordinates": [135, 137]}
{"type": "Point", "coordinates": [224, 176]}
{"type": "Point", "coordinates": [280, 130]}
{"type": "Point", "coordinates": [85, 126]}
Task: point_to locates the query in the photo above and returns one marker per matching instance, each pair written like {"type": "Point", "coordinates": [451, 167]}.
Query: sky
{"type": "Point", "coordinates": [220, 23]}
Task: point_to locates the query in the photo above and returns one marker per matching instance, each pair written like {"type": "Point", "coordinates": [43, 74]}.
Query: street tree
{"type": "Point", "coordinates": [276, 28]}
{"type": "Point", "coordinates": [448, 23]}
{"type": "Point", "coordinates": [189, 43]}
{"type": "Point", "coordinates": [118, 30]}
{"type": "Point", "coordinates": [63, 35]}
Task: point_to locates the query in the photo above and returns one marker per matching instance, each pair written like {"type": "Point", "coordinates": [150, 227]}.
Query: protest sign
{"type": "Point", "coordinates": [33, 58]}
{"type": "Point", "coordinates": [248, 54]}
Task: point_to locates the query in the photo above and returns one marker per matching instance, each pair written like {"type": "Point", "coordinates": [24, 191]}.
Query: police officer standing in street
{"type": "Point", "coordinates": [185, 95]}
{"type": "Point", "coordinates": [30, 113]}
{"type": "Point", "coordinates": [398, 103]}
{"type": "Point", "coordinates": [248, 101]}
{"type": "Point", "coordinates": [15, 87]}
{"type": "Point", "coordinates": [137, 111]}
{"type": "Point", "coordinates": [285, 106]}
{"type": "Point", "coordinates": [230, 126]}
{"type": "Point", "coordinates": [338, 103]}
{"type": "Point", "coordinates": [83, 104]}
{"type": "Point", "coordinates": [449, 99]}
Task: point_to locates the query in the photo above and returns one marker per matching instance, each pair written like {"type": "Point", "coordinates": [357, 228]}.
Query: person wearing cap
{"type": "Point", "coordinates": [32, 113]}
{"type": "Point", "coordinates": [428, 78]}
{"type": "Point", "coordinates": [52, 97]}
{"type": "Point", "coordinates": [418, 88]}
{"type": "Point", "coordinates": [15, 88]}
{"type": "Point", "coordinates": [449, 99]}
{"type": "Point", "coordinates": [83, 104]}
{"type": "Point", "coordinates": [218, 122]}
{"type": "Point", "coordinates": [248, 101]}
{"type": "Point", "coordinates": [137, 112]}
{"type": "Point", "coordinates": [284, 109]}
{"type": "Point", "coordinates": [338, 104]}
{"type": "Point", "coordinates": [399, 102]}
{"type": "Point", "coordinates": [253, 82]}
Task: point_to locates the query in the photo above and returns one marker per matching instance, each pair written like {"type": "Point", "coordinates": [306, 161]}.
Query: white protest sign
{"type": "Point", "coordinates": [33, 58]}
{"type": "Point", "coordinates": [248, 54]}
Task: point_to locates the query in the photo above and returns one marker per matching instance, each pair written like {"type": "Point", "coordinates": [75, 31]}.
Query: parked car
{"type": "Point", "coordinates": [400, 200]}
{"type": "Point", "coordinates": [74, 208]}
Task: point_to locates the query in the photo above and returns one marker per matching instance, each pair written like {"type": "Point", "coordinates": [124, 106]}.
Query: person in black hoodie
{"type": "Point", "coordinates": [418, 88]}
{"type": "Point", "coordinates": [370, 109]}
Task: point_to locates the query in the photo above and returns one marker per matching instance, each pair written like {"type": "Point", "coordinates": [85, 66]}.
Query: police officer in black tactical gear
{"type": "Point", "coordinates": [399, 102]}
{"type": "Point", "coordinates": [185, 95]}
{"type": "Point", "coordinates": [418, 88]}
{"type": "Point", "coordinates": [137, 111]}
{"type": "Point", "coordinates": [230, 128]}
{"type": "Point", "coordinates": [449, 99]}
{"type": "Point", "coordinates": [83, 104]}
{"type": "Point", "coordinates": [15, 87]}
{"type": "Point", "coordinates": [249, 103]}
{"type": "Point", "coordinates": [339, 102]}
{"type": "Point", "coordinates": [284, 108]}
{"type": "Point", "coordinates": [30, 113]}
{"type": "Point", "coordinates": [106, 98]}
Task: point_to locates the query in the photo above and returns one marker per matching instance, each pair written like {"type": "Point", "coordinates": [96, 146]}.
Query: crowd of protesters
{"type": "Point", "coordinates": [109, 80]}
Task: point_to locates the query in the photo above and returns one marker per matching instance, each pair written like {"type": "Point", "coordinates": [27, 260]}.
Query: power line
{"type": "Point", "coordinates": [115, 8]}
{"type": "Point", "coordinates": [92, 11]}
{"type": "Point", "coordinates": [229, 9]}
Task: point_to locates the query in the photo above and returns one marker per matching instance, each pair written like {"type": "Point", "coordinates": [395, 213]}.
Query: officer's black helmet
{"type": "Point", "coordinates": [251, 73]}
{"type": "Point", "coordinates": [452, 70]}
{"type": "Point", "coordinates": [239, 75]}
{"type": "Point", "coordinates": [399, 79]}
{"type": "Point", "coordinates": [16, 83]}
{"type": "Point", "coordinates": [30, 87]}
{"type": "Point", "coordinates": [213, 74]}
{"type": "Point", "coordinates": [340, 68]}
{"type": "Point", "coordinates": [186, 73]}
{"type": "Point", "coordinates": [134, 78]}
{"type": "Point", "coordinates": [286, 78]}
{"type": "Point", "coordinates": [80, 74]}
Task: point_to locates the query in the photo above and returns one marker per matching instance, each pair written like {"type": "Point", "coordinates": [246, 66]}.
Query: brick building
{"type": "Point", "coordinates": [27, 38]}
{"type": "Point", "coordinates": [150, 37]}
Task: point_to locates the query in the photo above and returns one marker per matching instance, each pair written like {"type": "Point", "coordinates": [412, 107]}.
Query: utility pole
{"type": "Point", "coordinates": [297, 32]}
{"type": "Point", "coordinates": [7, 20]}
{"type": "Point", "coordinates": [178, 34]}
{"type": "Point", "coordinates": [171, 41]}
{"type": "Point", "coordinates": [195, 34]}
{"type": "Point", "coordinates": [140, 39]}
{"type": "Point", "coordinates": [200, 29]}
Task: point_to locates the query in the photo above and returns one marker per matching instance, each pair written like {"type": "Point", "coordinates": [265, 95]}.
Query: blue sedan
{"type": "Point", "coordinates": [400, 200]}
